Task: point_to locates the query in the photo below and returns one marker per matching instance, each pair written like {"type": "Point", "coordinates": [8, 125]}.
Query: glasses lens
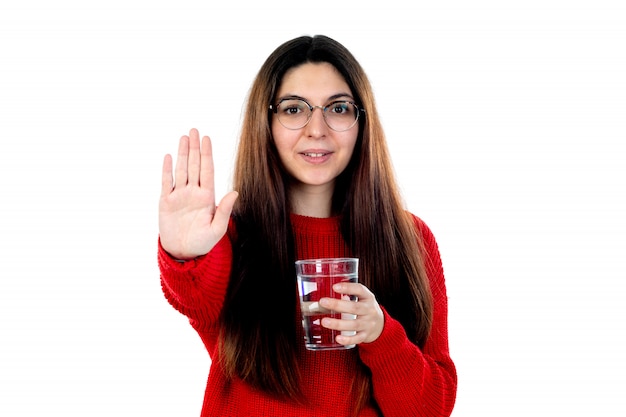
{"type": "Point", "coordinates": [341, 115]}
{"type": "Point", "coordinates": [293, 114]}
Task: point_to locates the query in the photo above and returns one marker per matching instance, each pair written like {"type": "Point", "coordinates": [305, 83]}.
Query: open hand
{"type": "Point", "coordinates": [190, 223]}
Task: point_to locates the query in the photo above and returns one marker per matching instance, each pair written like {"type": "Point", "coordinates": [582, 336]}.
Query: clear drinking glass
{"type": "Point", "coordinates": [316, 278]}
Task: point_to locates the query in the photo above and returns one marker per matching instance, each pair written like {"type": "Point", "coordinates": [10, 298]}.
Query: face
{"type": "Point", "coordinates": [314, 155]}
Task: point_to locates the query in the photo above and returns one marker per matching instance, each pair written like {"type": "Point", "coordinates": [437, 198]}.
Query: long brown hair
{"type": "Point", "coordinates": [260, 347]}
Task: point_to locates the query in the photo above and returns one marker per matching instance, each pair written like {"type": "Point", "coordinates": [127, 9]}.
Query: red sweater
{"type": "Point", "coordinates": [406, 381]}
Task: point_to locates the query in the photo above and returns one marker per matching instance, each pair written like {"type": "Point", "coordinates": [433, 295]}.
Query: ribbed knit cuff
{"type": "Point", "coordinates": [392, 357]}
{"type": "Point", "coordinates": [218, 256]}
{"type": "Point", "coordinates": [197, 287]}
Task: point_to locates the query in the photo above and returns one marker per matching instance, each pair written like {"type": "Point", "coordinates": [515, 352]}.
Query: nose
{"type": "Point", "coordinates": [316, 128]}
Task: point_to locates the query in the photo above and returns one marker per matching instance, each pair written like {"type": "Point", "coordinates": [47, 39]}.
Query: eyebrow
{"type": "Point", "coordinates": [329, 99]}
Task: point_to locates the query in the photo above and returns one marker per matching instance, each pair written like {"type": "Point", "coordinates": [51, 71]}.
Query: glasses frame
{"type": "Point", "coordinates": [359, 110]}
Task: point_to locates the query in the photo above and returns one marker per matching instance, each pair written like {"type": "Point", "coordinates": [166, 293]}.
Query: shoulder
{"type": "Point", "coordinates": [428, 245]}
{"type": "Point", "coordinates": [423, 231]}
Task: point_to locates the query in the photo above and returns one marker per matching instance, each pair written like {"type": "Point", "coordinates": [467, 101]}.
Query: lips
{"type": "Point", "coordinates": [316, 155]}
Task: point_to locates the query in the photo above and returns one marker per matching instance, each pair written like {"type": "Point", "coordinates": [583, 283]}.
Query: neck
{"type": "Point", "coordinates": [311, 201]}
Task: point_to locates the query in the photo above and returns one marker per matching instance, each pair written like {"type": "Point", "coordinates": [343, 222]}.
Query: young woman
{"type": "Point", "coordinates": [313, 180]}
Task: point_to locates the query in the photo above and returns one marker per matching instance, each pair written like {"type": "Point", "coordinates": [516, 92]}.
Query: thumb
{"type": "Point", "coordinates": [223, 211]}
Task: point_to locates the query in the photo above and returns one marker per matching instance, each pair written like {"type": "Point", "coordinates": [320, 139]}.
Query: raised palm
{"type": "Point", "coordinates": [190, 223]}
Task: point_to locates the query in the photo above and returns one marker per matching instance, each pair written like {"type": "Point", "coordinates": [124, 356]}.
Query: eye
{"type": "Point", "coordinates": [340, 108]}
{"type": "Point", "coordinates": [292, 110]}
{"type": "Point", "coordinates": [292, 107]}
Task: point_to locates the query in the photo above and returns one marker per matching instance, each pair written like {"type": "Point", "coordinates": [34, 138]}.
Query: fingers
{"type": "Point", "coordinates": [206, 164]}
{"type": "Point", "coordinates": [181, 162]}
{"type": "Point", "coordinates": [167, 182]}
{"type": "Point", "coordinates": [194, 163]}
{"type": "Point", "coordinates": [369, 321]}
{"type": "Point", "coordinates": [344, 305]}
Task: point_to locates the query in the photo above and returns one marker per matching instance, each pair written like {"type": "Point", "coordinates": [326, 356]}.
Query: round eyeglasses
{"type": "Point", "coordinates": [339, 115]}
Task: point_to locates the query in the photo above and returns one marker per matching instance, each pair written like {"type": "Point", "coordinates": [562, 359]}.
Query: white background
{"type": "Point", "coordinates": [506, 121]}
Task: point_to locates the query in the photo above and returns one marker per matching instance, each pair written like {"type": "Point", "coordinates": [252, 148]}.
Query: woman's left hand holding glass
{"type": "Point", "coordinates": [369, 321]}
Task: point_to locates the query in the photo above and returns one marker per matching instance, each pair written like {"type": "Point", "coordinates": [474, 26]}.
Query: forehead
{"type": "Point", "coordinates": [315, 81]}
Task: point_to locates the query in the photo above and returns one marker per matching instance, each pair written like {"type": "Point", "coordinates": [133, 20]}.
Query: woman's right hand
{"type": "Point", "coordinates": [190, 223]}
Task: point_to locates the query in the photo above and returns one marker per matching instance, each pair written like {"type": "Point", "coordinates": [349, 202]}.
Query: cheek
{"type": "Point", "coordinates": [274, 125]}
{"type": "Point", "coordinates": [351, 143]}
{"type": "Point", "coordinates": [277, 136]}
{"type": "Point", "coordinates": [284, 141]}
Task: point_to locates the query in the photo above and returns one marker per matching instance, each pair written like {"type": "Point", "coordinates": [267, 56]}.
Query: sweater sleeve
{"type": "Point", "coordinates": [406, 379]}
{"type": "Point", "coordinates": [197, 288]}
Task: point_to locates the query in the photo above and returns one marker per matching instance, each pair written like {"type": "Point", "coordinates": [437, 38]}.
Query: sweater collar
{"type": "Point", "coordinates": [305, 224]}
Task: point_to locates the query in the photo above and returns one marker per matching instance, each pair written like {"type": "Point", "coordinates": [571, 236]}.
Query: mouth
{"type": "Point", "coordinates": [316, 156]}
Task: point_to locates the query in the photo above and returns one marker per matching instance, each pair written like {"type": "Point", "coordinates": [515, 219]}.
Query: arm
{"type": "Point", "coordinates": [197, 288]}
{"type": "Point", "coordinates": [193, 229]}
{"type": "Point", "coordinates": [407, 380]}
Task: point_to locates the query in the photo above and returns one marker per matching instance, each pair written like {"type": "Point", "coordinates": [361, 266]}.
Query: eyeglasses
{"type": "Point", "coordinates": [295, 113]}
